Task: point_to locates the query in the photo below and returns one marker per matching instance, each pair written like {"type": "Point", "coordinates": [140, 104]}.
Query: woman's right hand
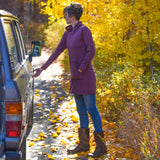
{"type": "Point", "coordinates": [37, 72]}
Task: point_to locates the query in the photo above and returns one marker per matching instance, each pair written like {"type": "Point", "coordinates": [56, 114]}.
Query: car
{"type": "Point", "coordinates": [16, 88]}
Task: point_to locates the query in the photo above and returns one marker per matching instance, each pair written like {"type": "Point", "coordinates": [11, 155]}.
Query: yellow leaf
{"type": "Point", "coordinates": [50, 112]}
{"type": "Point", "coordinates": [54, 135]}
{"type": "Point", "coordinates": [56, 116]}
{"type": "Point", "coordinates": [70, 136]}
{"type": "Point", "coordinates": [65, 124]}
{"type": "Point", "coordinates": [112, 100]}
{"type": "Point", "coordinates": [44, 153]}
{"type": "Point", "coordinates": [37, 95]}
{"type": "Point", "coordinates": [53, 95]}
{"type": "Point", "coordinates": [58, 130]}
{"type": "Point", "coordinates": [63, 142]}
{"type": "Point", "coordinates": [58, 119]}
{"type": "Point", "coordinates": [34, 140]}
{"type": "Point", "coordinates": [53, 121]}
{"type": "Point", "coordinates": [60, 98]}
{"type": "Point", "coordinates": [53, 149]}
{"type": "Point", "coordinates": [50, 156]}
{"type": "Point", "coordinates": [38, 90]}
{"type": "Point", "coordinates": [108, 91]}
{"type": "Point", "coordinates": [53, 87]}
{"type": "Point", "coordinates": [42, 135]}
{"type": "Point", "coordinates": [74, 118]}
{"type": "Point", "coordinates": [31, 144]}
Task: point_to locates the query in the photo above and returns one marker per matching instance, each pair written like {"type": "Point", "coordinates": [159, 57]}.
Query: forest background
{"type": "Point", "coordinates": [127, 62]}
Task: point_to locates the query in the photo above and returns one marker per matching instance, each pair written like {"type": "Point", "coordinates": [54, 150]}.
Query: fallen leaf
{"type": "Point", "coordinates": [53, 95]}
{"type": "Point", "coordinates": [53, 87]}
{"type": "Point", "coordinates": [53, 149]}
{"type": "Point", "coordinates": [60, 98]}
{"type": "Point", "coordinates": [39, 104]}
{"type": "Point", "coordinates": [38, 90]}
{"type": "Point", "coordinates": [37, 95]}
{"type": "Point", "coordinates": [74, 118]}
{"type": "Point", "coordinates": [44, 153]}
{"type": "Point", "coordinates": [42, 135]}
{"type": "Point", "coordinates": [50, 112]}
{"type": "Point", "coordinates": [70, 136]}
{"type": "Point", "coordinates": [63, 142]}
{"type": "Point", "coordinates": [58, 130]}
{"type": "Point", "coordinates": [31, 144]}
{"type": "Point", "coordinates": [65, 124]}
{"type": "Point", "coordinates": [53, 121]}
{"type": "Point", "coordinates": [54, 135]}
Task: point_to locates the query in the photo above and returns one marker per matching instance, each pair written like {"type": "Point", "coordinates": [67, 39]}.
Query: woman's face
{"type": "Point", "coordinates": [68, 18]}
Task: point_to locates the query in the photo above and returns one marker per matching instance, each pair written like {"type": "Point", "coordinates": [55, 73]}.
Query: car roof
{"type": "Point", "coordinates": [4, 13]}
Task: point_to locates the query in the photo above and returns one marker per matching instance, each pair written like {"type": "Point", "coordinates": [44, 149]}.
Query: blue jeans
{"type": "Point", "coordinates": [87, 104]}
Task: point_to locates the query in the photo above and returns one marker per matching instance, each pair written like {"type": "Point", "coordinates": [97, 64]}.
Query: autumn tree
{"type": "Point", "coordinates": [123, 29]}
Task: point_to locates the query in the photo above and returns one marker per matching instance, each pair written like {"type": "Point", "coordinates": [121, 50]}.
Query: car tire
{"type": "Point", "coordinates": [23, 149]}
{"type": "Point", "coordinates": [30, 118]}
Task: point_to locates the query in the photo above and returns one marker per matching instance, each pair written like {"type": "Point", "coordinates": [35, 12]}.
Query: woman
{"type": "Point", "coordinates": [78, 40]}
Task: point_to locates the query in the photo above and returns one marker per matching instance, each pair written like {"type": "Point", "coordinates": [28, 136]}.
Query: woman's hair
{"type": "Point", "coordinates": [74, 9]}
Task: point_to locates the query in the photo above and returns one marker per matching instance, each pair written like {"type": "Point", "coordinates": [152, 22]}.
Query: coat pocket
{"type": "Point", "coordinates": [74, 72]}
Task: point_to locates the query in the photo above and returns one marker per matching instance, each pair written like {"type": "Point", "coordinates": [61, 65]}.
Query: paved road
{"type": "Point", "coordinates": [55, 117]}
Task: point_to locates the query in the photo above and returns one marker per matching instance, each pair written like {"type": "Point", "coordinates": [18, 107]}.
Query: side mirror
{"type": "Point", "coordinates": [36, 49]}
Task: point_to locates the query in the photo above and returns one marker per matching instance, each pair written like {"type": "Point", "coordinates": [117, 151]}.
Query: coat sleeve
{"type": "Point", "coordinates": [60, 48]}
{"type": "Point", "coordinates": [90, 49]}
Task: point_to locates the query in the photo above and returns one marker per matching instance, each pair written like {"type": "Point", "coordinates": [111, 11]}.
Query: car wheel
{"type": "Point", "coordinates": [23, 149]}
{"type": "Point", "coordinates": [30, 121]}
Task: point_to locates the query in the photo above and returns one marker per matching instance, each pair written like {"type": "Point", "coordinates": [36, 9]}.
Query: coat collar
{"type": "Point", "coordinates": [70, 28]}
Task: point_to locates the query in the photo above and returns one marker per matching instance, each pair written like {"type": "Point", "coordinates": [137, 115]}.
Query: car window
{"type": "Point", "coordinates": [13, 52]}
{"type": "Point", "coordinates": [20, 39]}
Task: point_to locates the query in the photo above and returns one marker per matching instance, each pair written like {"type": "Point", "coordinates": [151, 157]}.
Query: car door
{"type": "Point", "coordinates": [2, 106]}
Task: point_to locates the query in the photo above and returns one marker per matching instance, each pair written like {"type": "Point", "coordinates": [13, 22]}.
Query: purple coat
{"type": "Point", "coordinates": [79, 42]}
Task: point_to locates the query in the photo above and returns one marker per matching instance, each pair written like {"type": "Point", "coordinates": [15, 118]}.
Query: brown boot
{"type": "Point", "coordinates": [83, 145]}
{"type": "Point", "coordinates": [101, 148]}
